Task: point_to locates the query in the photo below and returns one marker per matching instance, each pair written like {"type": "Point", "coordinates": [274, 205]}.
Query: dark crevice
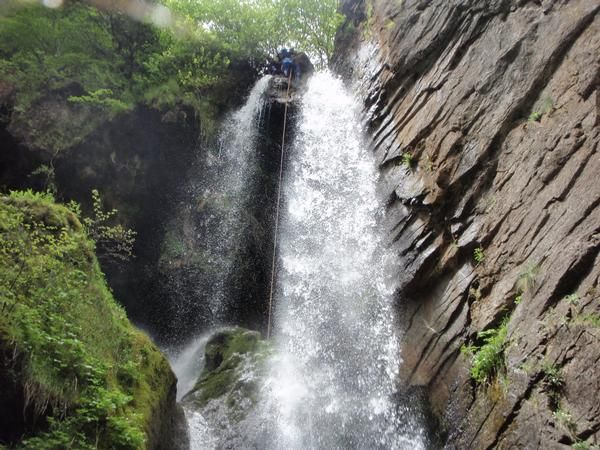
{"type": "Point", "coordinates": [573, 276]}
{"type": "Point", "coordinates": [584, 216]}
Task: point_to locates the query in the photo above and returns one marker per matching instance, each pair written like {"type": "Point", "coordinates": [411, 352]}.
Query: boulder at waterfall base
{"type": "Point", "coordinates": [234, 365]}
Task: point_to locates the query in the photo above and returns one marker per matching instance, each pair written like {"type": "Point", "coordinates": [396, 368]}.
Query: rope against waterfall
{"type": "Point", "coordinates": [273, 266]}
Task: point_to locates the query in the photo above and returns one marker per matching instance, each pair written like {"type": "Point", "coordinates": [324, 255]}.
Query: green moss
{"type": "Point", "coordinates": [218, 382]}
{"type": "Point", "coordinates": [407, 160]}
{"type": "Point", "coordinates": [478, 255]}
{"type": "Point", "coordinates": [172, 247]}
{"type": "Point", "coordinates": [230, 356]}
{"type": "Point", "coordinates": [232, 341]}
{"type": "Point", "coordinates": [90, 377]}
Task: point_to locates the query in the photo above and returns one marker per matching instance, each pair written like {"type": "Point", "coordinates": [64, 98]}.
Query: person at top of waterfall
{"type": "Point", "coordinates": [288, 67]}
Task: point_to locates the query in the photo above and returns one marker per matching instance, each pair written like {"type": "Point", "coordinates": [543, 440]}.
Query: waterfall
{"type": "Point", "coordinates": [232, 173]}
{"type": "Point", "coordinates": [333, 379]}
{"type": "Point", "coordinates": [220, 198]}
{"type": "Point", "coordinates": [216, 225]}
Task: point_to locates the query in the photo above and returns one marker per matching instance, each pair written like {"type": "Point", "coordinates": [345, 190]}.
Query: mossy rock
{"type": "Point", "coordinates": [76, 373]}
{"type": "Point", "coordinates": [224, 344]}
{"type": "Point", "coordinates": [234, 366]}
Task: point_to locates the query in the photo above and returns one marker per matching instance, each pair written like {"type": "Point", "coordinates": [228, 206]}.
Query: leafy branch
{"type": "Point", "coordinates": [114, 242]}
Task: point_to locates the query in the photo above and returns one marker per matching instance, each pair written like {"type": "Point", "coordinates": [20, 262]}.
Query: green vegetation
{"type": "Point", "coordinates": [90, 377]}
{"type": "Point", "coordinates": [92, 64]}
{"type": "Point", "coordinates": [582, 445]}
{"type": "Point", "coordinates": [567, 422]}
{"type": "Point", "coordinates": [591, 319]}
{"type": "Point", "coordinates": [112, 241]}
{"type": "Point", "coordinates": [545, 106]}
{"type": "Point", "coordinates": [478, 255]}
{"type": "Point", "coordinates": [370, 22]}
{"type": "Point", "coordinates": [118, 61]}
{"type": "Point", "coordinates": [565, 419]}
{"type": "Point", "coordinates": [73, 52]}
{"type": "Point", "coordinates": [573, 299]}
{"type": "Point", "coordinates": [487, 359]}
{"type": "Point", "coordinates": [407, 160]}
{"type": "Point", "coordinates": [553, 384]}
{"type": "Point", "coordinates": [535, 116]}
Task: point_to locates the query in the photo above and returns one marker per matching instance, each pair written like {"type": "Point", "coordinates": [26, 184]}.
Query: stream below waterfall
{"type": "Point", "coordinates": [331, 381]}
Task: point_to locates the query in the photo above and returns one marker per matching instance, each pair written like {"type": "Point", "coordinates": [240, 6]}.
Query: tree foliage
{"type": "Point", "coordinates": [114, 242]}
{"type": "Point", "coordinates": [105, 60]}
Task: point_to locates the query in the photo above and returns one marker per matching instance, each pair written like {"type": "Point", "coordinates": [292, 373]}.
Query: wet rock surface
{"type": "Point", "coordinates": [484, 119]}
{"type": "Point", "coordinates": [221, 408]}
{"type": "Point", "coordinates": [226, 355]}
{"type": "Point", "coordinates": [215, 262]}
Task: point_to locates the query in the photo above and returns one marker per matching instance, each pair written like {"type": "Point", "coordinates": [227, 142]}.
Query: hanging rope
{"type": "Point", "coordinates": [287, 98]}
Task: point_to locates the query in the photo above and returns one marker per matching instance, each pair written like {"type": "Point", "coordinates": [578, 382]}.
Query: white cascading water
{"type": "Point", "coordinates": [333, 378]}
{"type": "Point", "coordinates": [227, 181]}
{"type": "Point", "coordinates": [231, 168]}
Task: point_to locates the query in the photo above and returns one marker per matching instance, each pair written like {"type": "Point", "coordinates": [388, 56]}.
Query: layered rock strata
{"type": "Point", "coordinates": [484, 119]}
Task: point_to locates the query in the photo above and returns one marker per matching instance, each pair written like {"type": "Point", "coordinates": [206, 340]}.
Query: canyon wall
{"type": "Point", "coordinates": [484, 120]}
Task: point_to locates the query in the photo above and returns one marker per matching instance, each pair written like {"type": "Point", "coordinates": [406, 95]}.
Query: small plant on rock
{"type": "Point", "coordinates": [581, 445]}
{"type": "Point", "coordinates": [114, 242]}
{"type": "Point", "coordinates": [554, 383]}
{"type": "Point", "coordinates": [407, 160]}
{"type": "Point", "coordinates": [475, 293]}
{"type": "Point", "coordinates": [544, 107]}
{"type": "Point", "coordinates": [592, 320]}
{"type": "Point", "coordinates": [566, 420]}
{"type": "Point", "coordinates": [535, 116]}
{"type": "Point", "coordinates": [573, 299]}
{"type": "Point", "coordinates": [478, 255]}
{"type": "Point", "coordinates": [487, 359]}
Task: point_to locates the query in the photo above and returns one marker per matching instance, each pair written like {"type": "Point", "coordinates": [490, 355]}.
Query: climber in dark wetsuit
{"type": "Point", "coordinates": [290, 64]}
{"type": "Point", "coordinates": [288, 67]}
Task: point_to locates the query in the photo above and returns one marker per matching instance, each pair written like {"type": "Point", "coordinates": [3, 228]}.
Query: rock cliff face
{"type": "Point", "coordinates": [484, 119]}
